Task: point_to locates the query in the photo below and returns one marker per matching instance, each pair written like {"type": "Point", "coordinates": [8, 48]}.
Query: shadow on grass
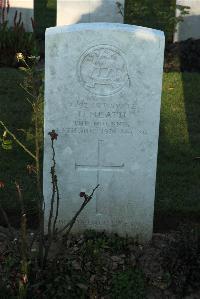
{"type": "Point", "coordinates": [178, 185]}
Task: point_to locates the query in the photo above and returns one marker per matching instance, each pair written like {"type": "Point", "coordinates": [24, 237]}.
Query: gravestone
{"type": "Point", "coordinates": [189, 28]}
{"type": "Point", "coordinates": [26, 7]}
{"type": "Point", "coordinates": [102, 96]}
{"type": "Point", "coordinates": [88, 11]}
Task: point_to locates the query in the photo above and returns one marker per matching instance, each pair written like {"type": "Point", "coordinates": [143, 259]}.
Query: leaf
{"type": "Point", "coordinates": [7, 144]}
{"type": "Point", "coordinates": [22, 69]}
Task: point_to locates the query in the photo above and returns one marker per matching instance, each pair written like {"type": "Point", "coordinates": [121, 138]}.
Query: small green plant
{"type": "Point", "coordinates": [101, 240]}
{"type": "Point", "coordinates": [128, 284]}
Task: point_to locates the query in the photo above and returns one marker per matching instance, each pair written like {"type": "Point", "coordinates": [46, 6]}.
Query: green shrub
{"type": "Point", "coordinates": [157, 14]}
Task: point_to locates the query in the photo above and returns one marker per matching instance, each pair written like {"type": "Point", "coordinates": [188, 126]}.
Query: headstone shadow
{"type": "Point", "coordinates": [180, 189]}
{"type": "Point", "coordinates": [189, 28]}
{"type": "Point", "coordinates": [190, 62]}
{"type": "Point", "coordinates": [104, 11]}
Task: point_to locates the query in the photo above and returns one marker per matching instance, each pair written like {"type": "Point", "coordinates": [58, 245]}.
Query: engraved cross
{"type": "Point", "coordinates": [98, 167]}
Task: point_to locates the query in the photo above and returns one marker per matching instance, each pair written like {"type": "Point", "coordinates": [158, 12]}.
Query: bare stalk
{"type": "Point", "coordinates": [57, 205]}
{"type": "Point", "coordinates": [38, 183]}
{"type": "Point", "coordinates": [120, 7]}
{"type": "Point", "coordinates": [70, 224]}
{"type": "Point", "coordinates": [27, 91]}
{"type": "Point", "coordinates": [53, 189]}
{"type": "Point", "coordinates": [24, 246]}
{"type": "Point", "coordinates": [17, 141]}
{"type": "Point", "coordinates": [50, 233]}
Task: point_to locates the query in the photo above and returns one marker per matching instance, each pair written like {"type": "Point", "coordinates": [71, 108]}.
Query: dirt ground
{"type": "Point", "coordinates": [168, 266]}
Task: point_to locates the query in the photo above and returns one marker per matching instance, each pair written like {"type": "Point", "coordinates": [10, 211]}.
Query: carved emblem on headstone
{"type": "Point", "coordinates": [102, 70]}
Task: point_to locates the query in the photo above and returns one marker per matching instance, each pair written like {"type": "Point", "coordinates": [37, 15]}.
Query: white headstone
{"type": "Point", "coordinates": [102, 96]}
{"type": "Point", "coordinates": [26, 7]}
{"type": "Point", "coordinates": [88, 11]}
{"type": "Point", "coordinates": [190, 27]}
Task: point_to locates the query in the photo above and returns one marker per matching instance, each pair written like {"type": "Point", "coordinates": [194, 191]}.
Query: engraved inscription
{"type": "Point", "coordinates": [99, 167]}
{"type": "Point", "coordinates": [102, 70]}
{"type": "Point", "coordinates": [97, 223]}
{"type": "Point", "coordinates": [94, 115]}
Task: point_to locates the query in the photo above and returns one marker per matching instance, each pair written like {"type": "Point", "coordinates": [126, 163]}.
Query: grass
{"type": "Point", "coordinates": [178, 174]}
{"type": "Point", "coordinates": [15, 112]}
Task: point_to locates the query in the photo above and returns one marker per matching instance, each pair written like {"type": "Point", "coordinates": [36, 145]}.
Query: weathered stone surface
{"type": "Point", "coordinates": [26, 7]}
{"type": "Point", "coordinates": [86, 11]}
{"type": "Point", "coordinates": [102, 96]}
{"type": "Point", "coordinates": [189, 28]}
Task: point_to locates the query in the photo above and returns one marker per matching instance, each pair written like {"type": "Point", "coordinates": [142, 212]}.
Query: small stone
{"type": "Point", "coordinates": [115, 266]}
{"type": "Point", "coordinates": [132, 260]}
{"type": "Point", "coordinates": [92, 278]}
{"type": "Point", "coordinates": [76, 265]}
{"type": "Point", "coordinates": [116, 259]}
{"type": "Point", "coordinates": [82, 286]}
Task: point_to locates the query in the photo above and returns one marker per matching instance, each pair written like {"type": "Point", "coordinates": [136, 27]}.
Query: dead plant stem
{"type": "Point", "coordinates": [17, 141]}
{"type": "Point", "coordinates": [70, 224]}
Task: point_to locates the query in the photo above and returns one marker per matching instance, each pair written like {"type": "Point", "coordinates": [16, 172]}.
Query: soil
{"type": "Point", "coordinates": [169, 264]}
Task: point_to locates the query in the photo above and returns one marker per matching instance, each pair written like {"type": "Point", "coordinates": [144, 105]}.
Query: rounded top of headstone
{"type": "Point", "coordinates": [106, 26]}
